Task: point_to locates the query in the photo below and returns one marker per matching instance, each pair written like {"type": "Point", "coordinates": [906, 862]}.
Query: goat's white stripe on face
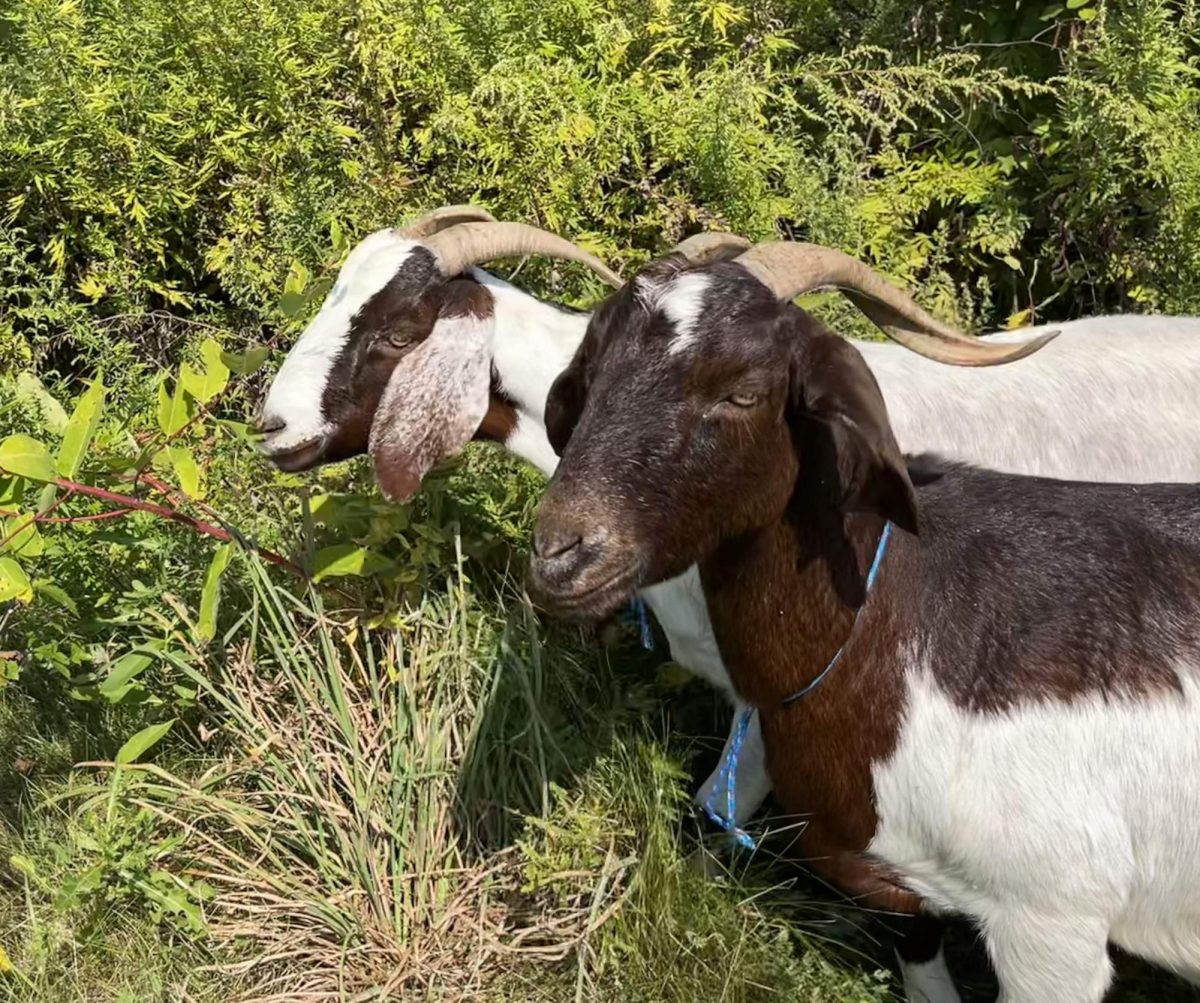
{"type": "Point", "coordinates": [683, 302]}
{"type": "Point", "coordinates": [294, 399]}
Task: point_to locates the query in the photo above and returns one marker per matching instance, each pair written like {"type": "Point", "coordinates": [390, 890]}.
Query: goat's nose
{"type": "Point", "coordinates": [567, 554]}
{"type": "Point", "coordinates": [269, 424]}
{"type": "Point", "coordinates": [556, 541]}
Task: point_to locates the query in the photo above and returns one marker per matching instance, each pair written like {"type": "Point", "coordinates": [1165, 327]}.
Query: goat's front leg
{"type": "Point", "coordinates": [750, 781]}
{"type": "Point", "coordinates": [923, 961]}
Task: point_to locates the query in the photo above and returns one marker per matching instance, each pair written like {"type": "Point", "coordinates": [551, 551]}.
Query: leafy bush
{"type": "Point", "coordinates": [177, 184]}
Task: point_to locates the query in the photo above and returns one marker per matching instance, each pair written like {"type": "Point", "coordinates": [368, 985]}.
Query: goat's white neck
{"type": "Point", "coordinates": [532, 343]}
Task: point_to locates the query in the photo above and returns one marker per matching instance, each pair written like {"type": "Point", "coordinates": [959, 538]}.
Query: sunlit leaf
{"type": "Point", "coordinates": [30, 388]}
{"type": "Point", "coordinates": [19, 454]}
{"type": "Point", "coordinates": [143, 742]}
{"type": "Point", "coordinates": [346, 559]}
{"type": "Point", "coordinates": [247, 362]}
{"type": "Point", "coordinates": [210, 595]}
{"type": "Point", "coordinates": [19, 536]}
{"type": "Point", "coordinates": [174, 410]}
{"type": "Point", "coordinates": [187, 471]}
{"type": "Point", "coordinates": [14, 583]}
{"type": "Point", "coordinates": [205, 384]}
{"type": "Point", "coordinates": [79, 431]}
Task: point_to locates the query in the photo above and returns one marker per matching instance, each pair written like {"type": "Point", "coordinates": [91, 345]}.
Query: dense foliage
{"type": "Point", "coordinates": [178, 182]}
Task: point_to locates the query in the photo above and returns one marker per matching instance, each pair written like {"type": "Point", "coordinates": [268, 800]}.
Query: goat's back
{"type": "Point", "coordinates": [1110, 399]}
{"type": "Point", "coordinates": [1032, 588]}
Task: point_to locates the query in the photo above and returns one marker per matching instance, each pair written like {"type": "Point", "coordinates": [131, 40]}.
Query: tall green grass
{"type": "Point", "coordinates": [452, 808]}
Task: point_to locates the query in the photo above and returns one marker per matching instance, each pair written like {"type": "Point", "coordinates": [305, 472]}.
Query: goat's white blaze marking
{"type": "Point", "coordinates": [928, 981]}
{"type": "Point", "coordinates": [1059, 824]}
{"type": "Point", "coordinates": [294, 398]}
{"type": "Point", "coordinates": [683, 303]}
{"type": "Point", "coordinates": [434, 402]}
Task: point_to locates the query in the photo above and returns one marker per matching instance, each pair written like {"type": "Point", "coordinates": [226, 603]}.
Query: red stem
{"type": "Point", "coordinates": [174, 515]}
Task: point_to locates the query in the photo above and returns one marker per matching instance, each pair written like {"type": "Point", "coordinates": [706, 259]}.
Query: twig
{"type": "Point", "coordinates": [129, 504]}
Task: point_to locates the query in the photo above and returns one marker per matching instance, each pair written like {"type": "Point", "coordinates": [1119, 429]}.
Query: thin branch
{"type": "Point", "coordinates": [130, 504]}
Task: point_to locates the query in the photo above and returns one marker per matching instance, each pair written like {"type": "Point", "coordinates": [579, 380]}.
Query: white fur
{"type": "Point", "coordinates": [532, 344]}
{"type": "Point", "coordinates": [980, 812]}
{"type": "Point", "coordinates": [683, 303]}
{"type": "Point", "coordinates": [295, 394]}
{"type": "Point", "coordinates": [1112, 398]}
{"type": "Point", "coordinates": [928, 981]}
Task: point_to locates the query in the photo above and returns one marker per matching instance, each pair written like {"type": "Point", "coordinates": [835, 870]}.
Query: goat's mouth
{"type": "Point", "coordinates": [293, 459]}
{"type": "Point", "coordinates": [588, 601]}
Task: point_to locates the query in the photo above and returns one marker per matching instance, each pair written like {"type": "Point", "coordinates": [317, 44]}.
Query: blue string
{"type": "Point", "coordinates": [804, 691]}
{"type": "Point", "coordinates": [637, 608]}
{"type": "Point", "coordinates": [727, 778]}
{"type": "Point", "coordinates": [727, 770]}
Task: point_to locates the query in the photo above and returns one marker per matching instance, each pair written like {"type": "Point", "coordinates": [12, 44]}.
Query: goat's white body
{"type": "Point", "coordinates": [1110, 399]}
{"type": "Point", "coordinates": [979, 811]}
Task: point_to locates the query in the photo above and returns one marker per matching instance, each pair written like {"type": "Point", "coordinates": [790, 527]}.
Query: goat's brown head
{"type": "Point", "coordinates": [698, 406]}
{"type": "Point", "coordinates": [397, 362]}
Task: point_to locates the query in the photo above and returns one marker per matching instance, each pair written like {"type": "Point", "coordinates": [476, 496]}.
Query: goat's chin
{"type": "Point", "coordinates": [588, 602]}
{"type": "Point", "coordinates": [303, 457]}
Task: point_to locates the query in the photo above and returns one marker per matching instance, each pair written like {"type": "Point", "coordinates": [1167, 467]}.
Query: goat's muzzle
{"type": "Point", "coordinates": [579, 570]}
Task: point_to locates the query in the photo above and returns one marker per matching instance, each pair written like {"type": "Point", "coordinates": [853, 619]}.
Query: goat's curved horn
{"type": "Point", "coordinates": [702, 247]}
{"type": "Point", "coordinates": [789, 269]}
{"type": "Point", "coordinates": [447, 215]}
{"type": "Point", "coordinates": [468, 244]}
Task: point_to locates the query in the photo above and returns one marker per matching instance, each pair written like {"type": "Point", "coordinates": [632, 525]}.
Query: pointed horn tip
{"type": "Point", "coordinates": [999, 355]}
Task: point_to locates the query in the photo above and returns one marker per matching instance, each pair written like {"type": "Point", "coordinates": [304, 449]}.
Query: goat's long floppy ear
{"type": "Point", "coordinates": [435, 398]}
{"type": "Point", "coordinates": [832, 385]}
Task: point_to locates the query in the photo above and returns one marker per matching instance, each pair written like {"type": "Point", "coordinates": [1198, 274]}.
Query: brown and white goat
{"type": "Point", "coordinates": [1011, 729]}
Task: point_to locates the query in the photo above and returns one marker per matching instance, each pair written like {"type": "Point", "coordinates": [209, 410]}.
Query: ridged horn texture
{"type": "Point", "coordinates": [789, 269]}
{"type": "Point", "coordinates": [469, 244]}
{"type": "Point", "coordinates": [703, 247]}
{"type": "Point", "coordinates": [446, 216]}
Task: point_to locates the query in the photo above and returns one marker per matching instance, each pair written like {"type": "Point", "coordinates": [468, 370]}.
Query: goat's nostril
{"type": "Point", "coordinates": [555, 543]}
{"type": "Point", "coordinates": [269, 424]}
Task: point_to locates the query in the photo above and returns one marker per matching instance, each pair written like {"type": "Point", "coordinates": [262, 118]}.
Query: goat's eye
{"type": "Point", "coordinates": [743, 399]}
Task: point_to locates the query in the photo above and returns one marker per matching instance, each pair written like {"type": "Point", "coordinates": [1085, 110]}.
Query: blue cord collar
{"type": "Point", "coordinates": [727, 770]}
{"type": "Point", "coordinates": [805, 690]}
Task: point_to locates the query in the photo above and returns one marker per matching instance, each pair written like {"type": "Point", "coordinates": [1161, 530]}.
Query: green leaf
{"type": "Point", "coordinates": [186, 470]}
{"type": "Point", "coordinates": [174, 410]}
{"type": "Point", "coordinates": [293, 301]}
{"type": "Point", "coordinates": [19, 536]}
{"type": "Point", "coordinates": [345, 559]}
{"type": "Point", "coordinates": [143, 742]}
{"type": "Point", "coordinates": [11, 489]}
{"type": "Point", "coordinates": [55, 594]}
{"type": "Point", "coordinates": [46, 497]}
{"type": "Point", "coordinates": [210, 595]}
{"type": "Point", "coordinates": [80, 429]}
{"type": "Point", "coordinates": [124, 671]}
{"type": "Point", "coordinates": [14, 583]}
{"type": "Point", "coordinates": [30, 388]}
{"type": "Point", "coordinates": [249, 361]}
{"type": "Point", "coordinates": [19, 454]}
{"type": "Point", "coordinates": [1088, 14]}
{"type": "Point", "coordinates": [205, 384]}
{"type": "Point", "coordinates": [1076, 4]}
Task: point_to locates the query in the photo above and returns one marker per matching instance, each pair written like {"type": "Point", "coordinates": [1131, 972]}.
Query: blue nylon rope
{"type": "Point", "coordinates": [637, 610]}
{"type": "Point", "coordinates": [727, 770]}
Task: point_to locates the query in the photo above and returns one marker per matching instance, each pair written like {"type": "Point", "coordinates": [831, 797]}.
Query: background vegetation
{"type": "Point", "coordinates": [219, 782]}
